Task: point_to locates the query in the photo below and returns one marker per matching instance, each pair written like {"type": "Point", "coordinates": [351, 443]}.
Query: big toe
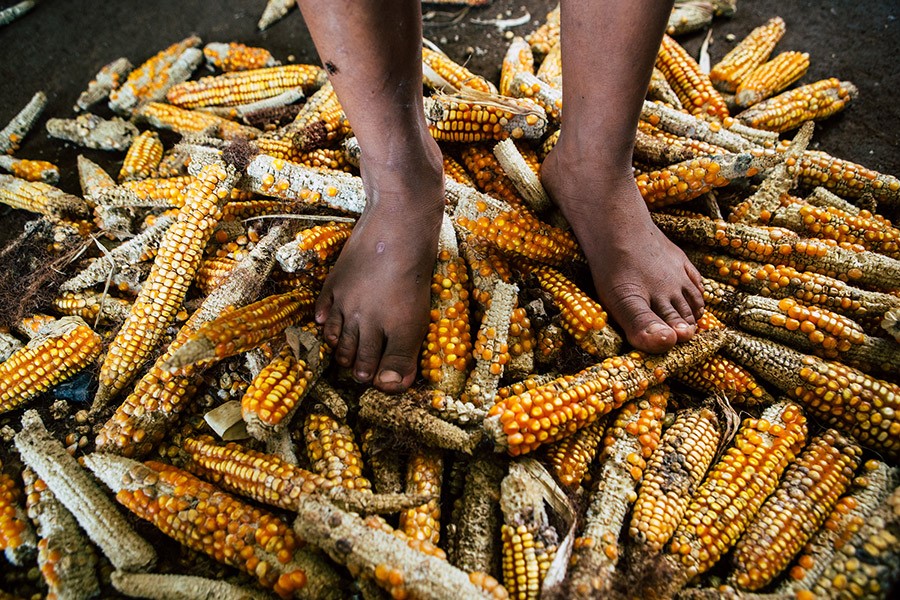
{"type": "Point", "coordinates": [397, 368]}
{"type": "Point", "coordinates": [644, 329]}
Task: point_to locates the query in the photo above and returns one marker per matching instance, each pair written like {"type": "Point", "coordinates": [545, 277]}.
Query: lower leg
{"type": "Point", "coordinates": [643, 280]}
{"type": "Point", "coordinates": [374, 305]}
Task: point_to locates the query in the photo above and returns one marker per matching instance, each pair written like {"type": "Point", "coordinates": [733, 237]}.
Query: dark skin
{"type": "Point", "coordinates": [374, 305]}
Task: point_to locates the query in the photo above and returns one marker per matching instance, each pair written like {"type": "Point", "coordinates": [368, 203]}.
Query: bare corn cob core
{"type": "Point", "coordinates": [142, 158]}
{"type": "Point", "coordinates": [672, 475]}
{"type": "Point", "coordinates": [693, 87]}
{"type": "Point", "coordinates": [424, 475]}
{"type": "Point", "coordinates": [11, 135]}
{"type": "Point", "coordinates": [58, 351]}
{"type": "Point", "coordinates": [333, 451]}
{"type": "Point", "coordinates": [747, 56]}
{"type": "Point", "coordinates": [809, 489]}
{"type": "Point", "coordinates": [237, 57]}
{"type": "Point", "coordinates": [770, 78]}
{"type": "Point", "coordinates": [789, 110]}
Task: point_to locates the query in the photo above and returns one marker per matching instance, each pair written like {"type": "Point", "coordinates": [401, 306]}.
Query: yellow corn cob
{"type": "Point", "coordinates": [491, 349]}
{"type": "Point", "coordinates": [549, 343]}
{"type": "Point", "coordinates": [32, 325]}
{"type": "Point", "coordinates": [733, 492]}
{"type": "Point", "coordinates": [547, 35]}
{"type": "Point", "coordinates": [809, 489]}
{"type": "Point", "coordinates": [201, 517]}
{"type": "Point", "coordinates": [30, 170]}
{"type": "Point", "coordinates": [571, 456]}
{"type": "Point", "coordinates": [243, 87]}
{"type": "Point", "coordinates": [40, 197]}
{"type": "Point", "coordinates": [518, 59]}
{"type": "Point", "coordinates": [326, 158]}
{"type": "Point", "coordinates": [179, 256]}
{"type": "Point", "coordinates": [149, 81]}
{"type": "Point", "coordinates": [523, 422]}
{"type": "Point", "coordinates": [171, 190]}
{"type": "Point", "coordinates": [456, 171]}
{"type": "Point", "coordinates": [747, 56]}
{"type": "Point", "coordinates": [237, 57]}
{"type": "Point", "coordinates": [810, 102]}
{"type": "Point", "coordinates": [320, 127]}
{"type": "Point", "coordinates": [238, 210]}
{"type": "Point", "coordinates": [720, 375]}
{"type": "Point", "coordinates": [470, 118]}
{"type": "Point", "coordinates": [212, 272]}
{"type": "Point", "coordinates": [60, 350]}
{"type": "Point", "coordinates": [660, 90]}
{"type": "Point", "coordinates": [581, 316]}
{"type": "Point", "coordinates": [550, 69]}
{"type": "Point", "coordinates": [314, 245]}
{"type": "Point", "coordinates": [520, 341]}
{"type": "Point", "coordinates": [488, 175]}
{"type": "Point", "coordinates": [14, 526]}
{"type": "Point", "coordinates": [676, 148]}
{"type": "Point", "coordinates": [142, 158]}
{"type": "Point", "coordinates": [671, 477]}
{"type": "Point", "coordinates": [837, 395]}
{"type": "Point", "coordinates": [693, 87]}
{"type": "Point", "coordinates": [455, 74]}
{"type": "Point", "coordinates": [333, 452]}
{"type": "Point", "coordinates": [630, 440]}
{"type": "Point", "coordinates": [845, 178]}
{"type": "Point", "coordinates": [90, 305]}
{"type": "Point", "coordinates": [770, 78]}
{"type": "Point", "coordinates": [183, 121]}
{"type": "Point", "coordinates": [424, 475]}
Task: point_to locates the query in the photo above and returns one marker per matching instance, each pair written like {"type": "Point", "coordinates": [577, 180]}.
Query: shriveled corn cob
{"type": "Point", "coordinates": [630, 440]}
{"type": "Point", "coordinates": [39, 197]}
{"type": "Point", "coordinates": [840, 396]}
{"type": "Point", "coordinates": [65, 557]}
{"type": "Point", "coordinates": [178, 258]}
{"type": "Point", "coordinates": [806, 494]}
{"type": "Point", "coordinates": [183, 121]}
{"type": "Point", "coordinates": [653, 146]}
{"type": "Point", "coordinates": [456, 171]}
{"type": "Point", "coordinates": [720, 375]}
{"type": "Point", "coordinates": [527, 85]}
{"type": "Point", "coordinates": [491, 349]}
{"type": "Point", "coordinates": [525, 421]}
{"type": "Point", "coordinates": [315, 245]}
{"type": "Point", "coordinates": [661, 90]}
{"type": "Point", "coordinates": [468, 118]}
{"type": "Point", "coordinates": [104, 82]}
{"type": "Point", "coordinates": [236, 534]}
{"type": "Point", "coordinates": [520, 341]}
{"type": "Point", "coordinates": [234, 56]}
{"type": "Point", "coordinates": [581, 316]}
{"type": "Point", "coordinates": [15, 529]}
{"type": "Point", "coordinates": [58, 351]}
{"type": "Point", "coordinates": [549, 344]}
{"type": "Point", "coordinates": [784, 247]}
{"type": "Point", "coordinates": [683, 124]}
{"type": "Point", "coordinates": [747, 56]}
{"type": "Point", "coordinates": [150, 81]}
{"type": "Point", "coordinates": [550, 69]}
{"type": "Point", "coordinates": [212, 272]}
{"type": "Point", "coordinates": [91, 131]}
{"type": "Point", "coordinates": [11, 136]}
{"type": "Point", "coordinates": [424, 475]}
{"type": "Point", "coordinates": [30, 170]}
{"type": "Point", "coordinates": [275, 10]}
{"type": "Point", "coordinates": [174, 162]}
{"type": "Point", "coordinates": [488, 175]}
{"type": "Point", "coordinates": [847, 179]}
{"type": "Point", "coordinates": [142, 158]}
{"type": "Point", "coordinates": [810, 102]}
{"type": "Point", "coordinates": [154, 585]}
{"type": "Point", "coordinates": [333, 451]}
{"type": "Point", "coordinates": [672, 475]}
{"type": "Point", "coordinates": [770, 78]}
{"type": "Point", "coordinates": [732, 493]}
{"type": "Point", "coordinates": [688, 17]}
{"type": "Point", "coordinates": [571, 456]}
{"type": "Point", "coordinates": [693, 87]}
{"type": "Point", "coordinates": [242, 87]}
{"type": "Point", "coordinates": [475, 545]}
{"type": "Point", "coordinates": [456, 75]}
{"type": "Point", "coordinates": [518, 59]}
{"type": "Point", "coordinates": [92, 305]}
{"type": "Point", "coordinates": [547, 35]}
{"type": "Point", "coordinates": [35, 325]}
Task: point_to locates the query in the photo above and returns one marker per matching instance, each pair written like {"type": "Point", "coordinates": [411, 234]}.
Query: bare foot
{"type": "Point", "coordinates": [375, 303]}
{"type": "Point", "coordinates": [643, 280]}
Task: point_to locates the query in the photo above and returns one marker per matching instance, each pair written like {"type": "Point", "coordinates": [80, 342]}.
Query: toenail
{"type": "Point", "coordinates": [685, 327]}
{"type": "Point", "coordinates": [362, 375]}
{"type": "Point", "coordinates": [390, 377]}
{"type": "Point", "coordinates": [655, 328]}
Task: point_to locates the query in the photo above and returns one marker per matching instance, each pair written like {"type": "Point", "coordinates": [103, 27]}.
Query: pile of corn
{"type": "Point", "coordinates": [536, 455]}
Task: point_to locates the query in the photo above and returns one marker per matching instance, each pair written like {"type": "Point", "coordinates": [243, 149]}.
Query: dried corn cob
{"type": "Point", "coordinates": [473, 117]}
{"type": "Point", "coordinates": [770, 78]}
{"type": "Point", "coordinates": [39, 197]}
{"type": "Point", "coordinates": [104, 82]}
{"type": "Point", "coordinates": [242, 87]}
{"type": "Point", "coordinates": [661, 91]}
{"type": "Point", "coordinates": [527, 85]}
{"type": "Point", "coordinates": [424, 475]}
{"type": "Point", "coordinates": [523, 167]}
{"type": "Point", "coordinates": [315, 245]}
{"type": "Point", "coordinates": [520, 342]}
{"type": "Point", "coordinates": [325, 159]}
{"type": "Point", "coordinates": [682, 124]}
{"type": "Point", "coordinates": [518, 59]}
{"type": "Point", "coordinates": [690, 179]}
{"type": "Point", "coordinates": [66, 559]}
{"type": "Point", "coordinates": [672, 475]}
{"type": "Point", "coordinates": [456, 171]}
{"type": "Point", "coordinates": [581, 316]}
{"type": "Point", "coordinates": [732, 494]}
{"type": "Point", "coordinates": [849, 514]}
{"type": "Point", "coordinates": [688, 17]}
{"type": "Point", "coordinates": [30, 170]}
{"type": "Point", "coordinates": [91, 131]}
{"type": "Point", "coordinates": [237, 57]}
{"type": "Point", "coordinates": [161, 296]}
{"type": "Point", "coordinates": [810, 102]}
{"type": "Point", "coordinates": [319, 125]}
{"type": "Point", "coordinates": [693, 87]}
{"type": "Point", "coordinates": [476, 517]}
{"type": "Point", "coordinates": [841, 397]}
{"type": "Point", "coordinates": [547, 35]}
{"type": "Point", "coordinates": [747, 56]}
{"type": "Point", "coordinates": [81, 496]}
{"type": "Point", "coordinates": [10, 14]}
{"type": "Point", "coordinates": [91, 306]}
{"type": "Point", "coordinates": [234, 533]}
{"type": "Point", "coordinates": [150, 81]}
{"type": "Point", "coordinates": [450, 72]}
{"type": "Point", "coordinates": [142, 158]}
{"type": "Point", "coordinates": [275, 10]}
{"type": "Point", "coordinates": [11, 135]}
{"type": "Point", "coordinates": [784, 247]}
{"type": "Point", "coordinates": [58, 351]}
{"type": "Point", "coordinates": [212, 272]}
{"type": "Point", "coordinates": [524, 421]}
{"type": "Point", "coordinates": [846, 178]}
{"type": "Point", "coordinates": [571, 456]}
{"type": "Point", "coordinates": [630, 440]}
{"type": "Point", "coordinates": [333, 452]}
{"type": "Point", "coordinates": [488, 175]}
{"type": "Point", "coordinates": [151, 585]}
{"type": "Point", "coordinates": [806, 494]}
{"type": "Point", "coordinates": [720, 375]}
{"type": "Point", "coordinates": [180, 120]}
{"type": "Point", "coordinates": [550, 69]}
{"type": "Point", "coordinates": [16, 533]}
{"type": "Point", "coordinates": [491, 350]}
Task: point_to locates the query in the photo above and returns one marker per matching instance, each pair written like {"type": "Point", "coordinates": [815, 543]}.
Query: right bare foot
{"type": "Point", "coordinates": [643, 280]}
{"type": "Point", "coordinates": [375, 303]}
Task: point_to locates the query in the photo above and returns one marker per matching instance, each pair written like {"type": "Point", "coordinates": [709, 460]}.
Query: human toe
{"type": "Point", "coordinates": [397, 368]}
{"type": "Point", "coordinates": [345, 349]}
{"type": "Point", "coordinates": [677, 315]}
{"type": "Point", "coordinates": [368, 355]}
{"type": "Point", "coordinates": [644, 329]}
